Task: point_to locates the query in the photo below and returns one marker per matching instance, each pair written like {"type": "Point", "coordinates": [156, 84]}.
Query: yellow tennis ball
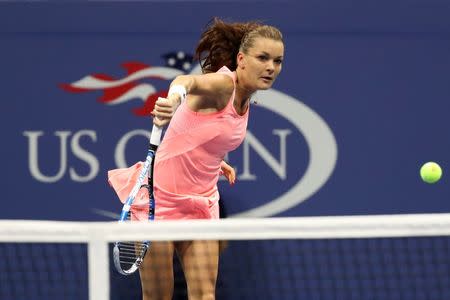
{"type": "Point", "coordinates": [430, 172]}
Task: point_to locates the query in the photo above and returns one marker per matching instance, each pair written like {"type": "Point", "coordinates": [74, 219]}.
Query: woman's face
{"type": "Point", "coordinates": [262, 64]}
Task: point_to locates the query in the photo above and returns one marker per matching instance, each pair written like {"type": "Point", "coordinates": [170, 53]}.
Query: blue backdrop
{"type": "Point", "coordinates": [362, 102]}
{"type": "Point", "coordinates": [369, 82]}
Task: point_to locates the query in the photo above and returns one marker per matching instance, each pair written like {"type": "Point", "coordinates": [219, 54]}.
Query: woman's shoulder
{"type": "Point", "coordinates": [225, 71]}
{"type": "Point", "coordinates": [229, 77]}
{"type": "Point", "coordinates": [222, 81]}
{"type": "Point", "coordinates": [213, 90]}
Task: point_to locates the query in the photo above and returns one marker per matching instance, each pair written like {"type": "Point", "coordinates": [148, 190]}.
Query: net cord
{"type": "Point", "coordinates": [232, 229]}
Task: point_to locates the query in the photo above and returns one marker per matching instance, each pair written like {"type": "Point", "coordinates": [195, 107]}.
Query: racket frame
{"type": "Point", "coordinates": [147, 170]}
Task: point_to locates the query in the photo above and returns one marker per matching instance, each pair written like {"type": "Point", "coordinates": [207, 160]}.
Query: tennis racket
{"type": "Point", "coordinates": [129, 255]}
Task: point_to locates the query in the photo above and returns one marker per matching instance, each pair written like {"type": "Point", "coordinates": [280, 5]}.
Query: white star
{"type": "Point", "coordinates": [186, 66]}
{"type": "Point", "coordinates": [180, 55]}
{"type": "Point", "coordinates": [171, 61]}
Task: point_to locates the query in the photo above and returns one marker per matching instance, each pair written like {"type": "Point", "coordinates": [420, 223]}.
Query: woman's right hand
{"type": "Point", "coordinates": [164, 110]}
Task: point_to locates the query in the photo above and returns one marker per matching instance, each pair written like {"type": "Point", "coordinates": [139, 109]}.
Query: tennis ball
{"type": "Point", "coordinates": [430, 172]}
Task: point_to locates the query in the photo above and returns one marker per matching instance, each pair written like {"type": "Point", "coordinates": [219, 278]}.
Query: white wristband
{"type": "Point", "coordinates": [178, 89]}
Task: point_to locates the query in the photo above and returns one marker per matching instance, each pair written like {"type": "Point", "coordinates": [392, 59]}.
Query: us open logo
{"type": "Point", "coordinates": [289, 152]}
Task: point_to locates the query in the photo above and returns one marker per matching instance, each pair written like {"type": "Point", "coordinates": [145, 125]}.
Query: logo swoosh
{"type": "Point", "coordinates": [322, 152]}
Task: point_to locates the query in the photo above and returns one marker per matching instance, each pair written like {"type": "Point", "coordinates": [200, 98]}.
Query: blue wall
{"type": "Point", "coordinates": [376, 76]}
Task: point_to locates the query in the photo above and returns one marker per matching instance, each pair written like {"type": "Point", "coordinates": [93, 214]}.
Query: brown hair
{"type": "Point", "coordinates": [220, 42]}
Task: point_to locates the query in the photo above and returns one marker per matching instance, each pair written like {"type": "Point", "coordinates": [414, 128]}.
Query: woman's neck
{"type": "Point", "coordinates": [243, 93]}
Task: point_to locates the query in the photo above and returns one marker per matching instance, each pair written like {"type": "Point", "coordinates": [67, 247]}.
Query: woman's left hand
{"type": "Point", "coordinates": [229, 172]}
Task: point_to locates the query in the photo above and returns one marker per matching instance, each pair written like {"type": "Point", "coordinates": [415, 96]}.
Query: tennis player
{"type": "Point", "coordinates": [208, 117]}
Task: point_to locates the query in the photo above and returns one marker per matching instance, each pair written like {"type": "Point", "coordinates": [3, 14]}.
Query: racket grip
{"type": "Point", "coordinates": [155, 137]}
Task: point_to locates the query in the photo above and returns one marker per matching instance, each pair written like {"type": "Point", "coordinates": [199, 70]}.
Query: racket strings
{"type": "Point", "coordinates": [131, 254]}
{"type": "Point", "coordinates": [129, 247]}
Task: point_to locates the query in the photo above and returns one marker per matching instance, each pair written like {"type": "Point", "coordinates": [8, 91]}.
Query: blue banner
{"type": "Point", "coordinates": [360, 105]}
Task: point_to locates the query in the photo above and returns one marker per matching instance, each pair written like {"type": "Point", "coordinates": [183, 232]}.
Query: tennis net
{"type": "Point", "coordinates": [346, 257]}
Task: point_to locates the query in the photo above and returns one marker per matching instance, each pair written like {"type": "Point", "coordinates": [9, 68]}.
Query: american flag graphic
{"type": "Point", "coordinates": [136, 84]}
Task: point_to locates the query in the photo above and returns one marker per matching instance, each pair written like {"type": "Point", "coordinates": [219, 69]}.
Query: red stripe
{"type": "Point", "coordinates": [103, 77]}
{"type": "Point", "coordinates": [133, 67]}
{"type": "Point", "coordinates": [112, 94]}
{"type": "Point", "coordinates": [71, 89]}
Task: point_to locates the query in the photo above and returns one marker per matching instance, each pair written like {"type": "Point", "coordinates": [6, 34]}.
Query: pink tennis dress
{"type": "Point", "coordinates": [187, 163]}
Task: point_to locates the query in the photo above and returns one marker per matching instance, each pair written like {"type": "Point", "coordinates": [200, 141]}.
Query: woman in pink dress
{"type": "Point", "coordinates": [207, 116]}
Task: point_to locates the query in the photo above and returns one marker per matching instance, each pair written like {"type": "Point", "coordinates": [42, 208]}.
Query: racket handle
{"type": "Point", "coordinates": [155, 137]}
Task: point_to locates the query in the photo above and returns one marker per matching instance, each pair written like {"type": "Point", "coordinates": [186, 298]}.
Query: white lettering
{"type": "Point", "coordinates": [279, 167]}
{"type": "Point", "coordinates": [33, 154]}
{"type": "Point", "coordinates": [84, 155]}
